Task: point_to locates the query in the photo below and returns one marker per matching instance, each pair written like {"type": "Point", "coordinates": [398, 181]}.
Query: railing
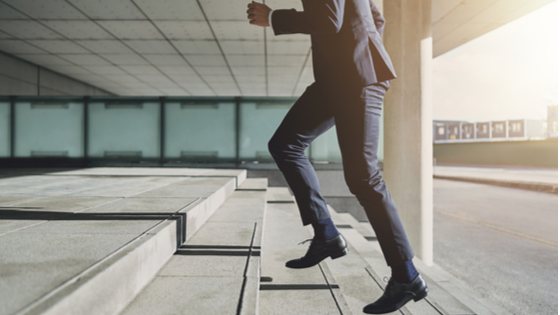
{"type": "Point", "coordinates": [149, 129]}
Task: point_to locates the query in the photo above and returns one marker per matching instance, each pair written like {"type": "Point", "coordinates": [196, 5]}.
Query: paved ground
{"type": "Point", "coordinates": [518, 174]}
{"type": "Point", "coordinates": [502, 241]}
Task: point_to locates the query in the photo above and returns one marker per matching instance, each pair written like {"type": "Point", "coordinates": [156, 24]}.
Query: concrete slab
{"type": "Point", "coordinates": [191, 187]}
{"type": "Point", "coordinates": [297, 302]}
{"type": "Point", "coordinates": [254, 184]}
{"type": "Point", "coordinates": [224, 233]}
{"type": "Point", "coordinates": [33, 265]}
{"type": "Point", "coordinates": [93, 224]}
{"type": "Point", "coordinates": [14, 200]}
{"type": "Point", "coordinates": [279, 194]}
{"type": "Point", "coordinates": [188, 295]}
{"type": "Point", "coordinates": [204, 265]}
{"type": "Point", "coordinates": [242, 206]}
{"type": "Point", "coordinates": [144, 205]}
{"type": "Point", "coordinates": [133, 171]}
{"type": "Point", "coordinates": [283, 232]}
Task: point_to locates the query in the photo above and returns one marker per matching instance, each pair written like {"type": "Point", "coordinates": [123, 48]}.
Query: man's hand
{"type": "Point", "coordinates": [258, 14]}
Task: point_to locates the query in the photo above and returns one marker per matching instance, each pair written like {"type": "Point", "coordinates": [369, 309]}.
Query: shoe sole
{"type": "Point", "coordinates": [344, 252]}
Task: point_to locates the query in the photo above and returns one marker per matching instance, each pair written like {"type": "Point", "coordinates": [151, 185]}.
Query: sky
{"type": "Point", "coordinates": [508, 73]}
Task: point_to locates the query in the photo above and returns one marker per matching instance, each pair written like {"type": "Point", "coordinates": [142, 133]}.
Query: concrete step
{"type": "Point", "coordinates": [217, 271]}
{"type": "Point", "coordinates": [292, 291]}
{"type": "Point", "coordinates": [448, 295]}
{"type": "Point", "coordinates": [87, 244]}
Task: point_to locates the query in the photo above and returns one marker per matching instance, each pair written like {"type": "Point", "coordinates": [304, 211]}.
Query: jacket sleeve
{"type": "Point", "coordinates": [317, 17]}
{"type": "Point", "coordinates": [377, 18]}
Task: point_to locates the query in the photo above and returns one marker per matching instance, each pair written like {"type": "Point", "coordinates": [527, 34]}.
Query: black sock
{"type": "Point", "coordinates": [325, 230]}
{"type": "Point", "coordinates": [404, 273]}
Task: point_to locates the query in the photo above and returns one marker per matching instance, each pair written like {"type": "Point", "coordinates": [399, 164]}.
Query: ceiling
{"type": "Point", "coordinates": [197, 47]}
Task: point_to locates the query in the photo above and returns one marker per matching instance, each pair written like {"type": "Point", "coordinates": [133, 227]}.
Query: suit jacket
{"type": "Point", "coordinates": [346, 40]}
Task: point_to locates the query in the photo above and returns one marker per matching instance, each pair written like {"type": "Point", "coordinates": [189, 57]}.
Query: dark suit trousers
{"type": "Point", "coordinates": [356, 114]}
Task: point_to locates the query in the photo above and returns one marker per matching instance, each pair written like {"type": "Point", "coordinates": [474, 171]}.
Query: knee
{"type": "Point", "coordinates": [360, 185]}
{"type": "Point", "coordinates": [281, 148]}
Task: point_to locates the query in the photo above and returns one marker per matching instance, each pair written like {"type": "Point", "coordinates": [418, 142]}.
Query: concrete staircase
{"type": "Point", "coordinates": [184, 241]}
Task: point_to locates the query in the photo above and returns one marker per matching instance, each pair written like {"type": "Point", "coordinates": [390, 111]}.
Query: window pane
{"type": "Point", "coordinates": [49, 129]}
{"type": "Point", "coordinates": [259, 121]}
{"type": "Point", "coordinates": [123, 130]}
{"type": "Point", "coordinates": [200, 131]}
{"type": "Point", "coordinates": [4, 129]}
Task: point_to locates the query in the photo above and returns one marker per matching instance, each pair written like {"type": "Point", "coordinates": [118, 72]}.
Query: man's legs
{"type": "Point", "coordinates": [307, 119]}
{"type": "Point", "coordinates": [357, 116]}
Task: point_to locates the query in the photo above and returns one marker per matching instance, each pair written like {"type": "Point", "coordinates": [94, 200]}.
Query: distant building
{"type": "Point", "coordinates": [467, 130]}
{"type": "Point", "coordinates": [499, 129]}
{"type": "Point", "coordinates": [515, 129]}
{"type": "Point", "coordinates": [482, 130]}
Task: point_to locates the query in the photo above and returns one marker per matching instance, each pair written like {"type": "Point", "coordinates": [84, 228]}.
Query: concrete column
{"type": "Point", "coordinates": [408, 148]}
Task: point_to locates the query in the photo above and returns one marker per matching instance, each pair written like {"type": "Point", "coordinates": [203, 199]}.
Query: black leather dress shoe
{"type": "Point", "coordinates": [319, 250]}
{"type": "Point", "coordinates": [397, 295]}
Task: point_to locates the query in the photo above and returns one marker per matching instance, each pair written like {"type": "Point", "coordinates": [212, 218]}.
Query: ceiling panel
{"type": "Point", "coordinates": [290, 47]}
{"type": "Point", "coordinates": [44, 59]}
{"type": "Point", "coordinates": [185, 29]}
{"type": "Point", "coordinates": [151, 46]}
{"type": "Point", "coordinates": [105, 46]}
{"type": "Point", "coordinates": [27, 30]}
{"type": "Point", "coordinates": [248, 71]}
{"type": "Point", "coordinates": [171, 9]}
{"type": "Point", "coordinates": [166, 60]}
{"type": "Point", "coordinates": [201, 89]}
{"type": "Point", "coordinates": [206, 60]}
{"type": "Point", "coordinates": [247, 47]}
{"type": "Point", "coordinates": [286, 60]}
{"type": "Point", "coordinates": [79, 29]}
{"type": "Point", "coordinates": [46, 9]}
{"type": "Point", "coordinates": [16, 46]}
{"type": "Point", "coordinates": [136, 70]}
{"type": "Point", "coordinates": [257, 80]}
{"type": "Point", "coordinates": [108, 9]}
{"type": "Point", "coordinates": [174, 92]}
{"type": "Point", "coordinates": [4, 35]}
{"type": "Point", "coordinates": [285, 4]}
{"type": "Point", "coordinates": [125, 80]}
{"type": "Point", "coordinates": [70, 70]}
{"type": "Point", "coordinates": [225, 10]}
{"type": "Point", "coordinates": [132, 29]}
{"type": "Point", "coordinates": [221, 79]}
{"type": "Point", "coordinates": [156, 81]}
{"type": "Point", "coordinates": [6, 12]}
{"type": "Point", "coordinates": [104, 70]}
{"type": "Point", "coordinates": [200, 47]}
{"type": "Point", "coordinates": [184, 70]}
{"type": "Point", "coordinates": [126, 59]}
{"type": "Point", "coordinates": [224, 71]}
{"type": "Point", "coordinates": [90, 60]}
{"type": "Point", "coordinates": [236, 30]}
{"type": "Point", "coordinates": [245, 60]}
{"type": "Point", "coordinates": [58, 46]}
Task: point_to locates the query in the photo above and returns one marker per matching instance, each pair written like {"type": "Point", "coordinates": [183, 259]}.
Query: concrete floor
{"type": "Point", "coordinates": [503, 242]}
